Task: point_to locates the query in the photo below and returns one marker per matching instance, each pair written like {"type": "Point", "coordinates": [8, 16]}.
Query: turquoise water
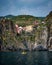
{"type": "Point", "coordinates": [31, 58]}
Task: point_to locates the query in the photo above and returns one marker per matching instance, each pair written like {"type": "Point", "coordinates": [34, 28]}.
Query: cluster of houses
{"type": "Point", "coordinates": [19, 29]}
{"type": "Point", "coordinates": [28, 28]}
{"type": "Point", "coordinates": [9, 27]}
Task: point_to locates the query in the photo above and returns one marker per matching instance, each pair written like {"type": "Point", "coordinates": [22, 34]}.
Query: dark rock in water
{"type": "Point", "coordinates": [40, 48]}
{"type": "Point", "coordinates": [11, 48]}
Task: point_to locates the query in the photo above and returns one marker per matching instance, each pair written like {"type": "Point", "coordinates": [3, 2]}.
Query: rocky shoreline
{"type": "Point", "coordinates": [19, 49]}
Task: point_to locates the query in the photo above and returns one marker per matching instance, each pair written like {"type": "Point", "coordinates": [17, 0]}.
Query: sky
{"type": "Point", "coordinates": [25, 7]}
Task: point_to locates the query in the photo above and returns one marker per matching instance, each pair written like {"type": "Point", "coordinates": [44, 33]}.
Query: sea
{"type": "Point", "coordinates": [29, 58]}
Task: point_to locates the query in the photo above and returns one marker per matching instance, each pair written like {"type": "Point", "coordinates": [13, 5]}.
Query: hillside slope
{"type": "Point", "coordinates": [23, 19]}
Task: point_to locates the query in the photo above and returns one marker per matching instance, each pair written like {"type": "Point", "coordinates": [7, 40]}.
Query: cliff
{"type": "Point", "coordinates": [36, 39]}
{"type": "Point", "coordinates": [7, 36]}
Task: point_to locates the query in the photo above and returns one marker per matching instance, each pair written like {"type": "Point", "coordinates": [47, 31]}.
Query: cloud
{"type": "Point", "coordinates": [37, 11]}
{"type": "Point", "coordinates": [29, 11]}
{"type": "Point", "coordinates": [30, 1]}
{"type": "Point", "coordinates": [28, 7]}
{"type": "Point", "coordinates": [26, 0]}
{"type": "Point", "coordinates": [50, 4]}
{"type": "Point", "coordinates": [25, 11]}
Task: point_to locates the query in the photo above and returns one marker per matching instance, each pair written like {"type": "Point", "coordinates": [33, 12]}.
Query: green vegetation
{"type": "Point", "coordinates": [23, 19]}
{"type": "Point", "coordinates": [10, 38]}
{"type": "Point", "coordinates": [48, 20]}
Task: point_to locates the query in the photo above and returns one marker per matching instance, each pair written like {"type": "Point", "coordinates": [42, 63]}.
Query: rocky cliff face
{"type": "Point", "coordinates": [39, 38]}
{"type": "Point", "coordinates": [7, 36]}
{"type": "Point", "coordinates": [29, 41]}
{"type": "Point", "coordinates": [48, 20]}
